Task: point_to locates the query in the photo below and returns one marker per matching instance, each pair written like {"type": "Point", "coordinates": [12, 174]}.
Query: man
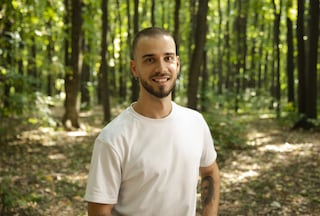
{"type": "Point", "coordinates": [146, 161]}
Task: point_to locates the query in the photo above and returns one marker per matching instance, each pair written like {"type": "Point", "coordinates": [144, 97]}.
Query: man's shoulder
{"type": "Point", "coordinates": [117, 125]}
{"type": "Point", "coordinates": [186, 110]}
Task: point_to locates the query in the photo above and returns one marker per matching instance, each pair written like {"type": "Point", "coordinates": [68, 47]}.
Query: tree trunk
{"type": "Point", "coordinates": [176, 33]}
{"type": "Point", "coordinates": [122, 73]}
{"type": "Point", "coordinates": [72, 77]}
{"type": "Point", "coordinates": [85, 79]}
{"type": "Point", "coordinates": [241, 51]}
{"type": "Point", "coordinates": [277, 15]}
{"type": "Point", "coordinates": [290, 63]}
{"type": "Point", "coordinates": [228, 51]}
{"type": "Point", "coordinates": [32, 68]}
{"type": "Point", "coordinates": [301, 59]}
{"type": "Point", "coordinates": [204, 84]}
{"type": "Point", "coordinates": [311, 91]}
{"type": "Point", "coordinates": [135, 84]}
{"type": "Point", "coordinates": [153, 6]}
{"type": "Point", "coordinates": [219, 52]}
{"type": "Point", "coordinates": [197, 55]}
{"type": "Point", "coordinates": [103, 72]}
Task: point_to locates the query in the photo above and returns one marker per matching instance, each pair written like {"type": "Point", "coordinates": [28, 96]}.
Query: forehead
{"type": "Point", "coordinates": [159, 44]}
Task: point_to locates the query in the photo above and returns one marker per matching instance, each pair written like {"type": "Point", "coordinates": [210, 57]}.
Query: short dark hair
{"type": "Point", "coordinates": [148, 32]}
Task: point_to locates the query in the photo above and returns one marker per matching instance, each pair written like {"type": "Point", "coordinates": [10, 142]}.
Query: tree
{"type": "Point", "coordinates": [311, 73]}
{"type": "Point", "coordinates": [103, 72]}
{"type": "Point", "coordinates": [197, 55]}
{"type": "Point", "coordinates": [307, 64]}
{"type": "Point", "coordinates": [290, 56]}
{"type": "Point", "coordinates": [301, 59]}
{"type": "Point", "coordinates": [73, 76]}
{"type": "Point", "coordinates": [134, 83]}
{"type": "Point", "coordinates": [276, 64]}
{"type": "Point", "coordinates": [241, 50]}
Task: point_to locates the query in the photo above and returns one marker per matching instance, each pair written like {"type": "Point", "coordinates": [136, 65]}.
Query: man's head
{"type": "Point", "coordinates": [154, 62]}
{"type": "Point", "coordinates": [148, 32]}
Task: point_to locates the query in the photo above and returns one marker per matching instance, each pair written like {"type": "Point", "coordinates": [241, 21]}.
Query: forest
{"type": "Point", "coordinates": [251, 67]}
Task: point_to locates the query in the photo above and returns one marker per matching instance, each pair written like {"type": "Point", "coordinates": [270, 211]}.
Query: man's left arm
{"type": "Point", "coordinates": [210, 189]}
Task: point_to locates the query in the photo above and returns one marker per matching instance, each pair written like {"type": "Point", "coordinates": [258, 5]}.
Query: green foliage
{"type": "Point", "coordinates": [227, 131]}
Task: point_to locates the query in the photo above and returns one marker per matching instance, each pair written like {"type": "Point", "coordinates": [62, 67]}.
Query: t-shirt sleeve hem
{"type": "Point", "coordinates": [99, 200]}
{"type": "Point", "coordinates": [208, 163]}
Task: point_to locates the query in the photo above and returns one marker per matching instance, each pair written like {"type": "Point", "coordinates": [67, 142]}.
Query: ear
{"type": "Point", "coordinates": [133, 68]}
{"type": "Point", "coordinates": [178, 65]}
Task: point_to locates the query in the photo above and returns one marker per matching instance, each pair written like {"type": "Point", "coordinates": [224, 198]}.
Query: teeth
{"type": "Point", "coordinates": [161, 79]}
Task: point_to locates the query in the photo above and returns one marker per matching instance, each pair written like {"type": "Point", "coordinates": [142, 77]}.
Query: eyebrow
{"type": "Point", "coordinates": [166, 54]}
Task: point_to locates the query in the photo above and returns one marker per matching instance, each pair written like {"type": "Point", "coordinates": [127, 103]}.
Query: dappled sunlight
{"type": "Point", "coordinates": [277, 175]}
{"type": "Point", "coordinates": [77, 177]}
{"type": "Point", "coordinates": [77, 133]}
{"type": "Point", "coordinates": [236, 177]}
{"type": "Point", "coordinates": [257, 138]}
{"type": "Point", "coordinates": [57, 156]}
{"type": "Point", "coordinates": [286, 147]}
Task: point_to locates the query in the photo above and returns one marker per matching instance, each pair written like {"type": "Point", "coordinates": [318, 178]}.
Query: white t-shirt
{"type": "Point", "coordinates": [150, 166]}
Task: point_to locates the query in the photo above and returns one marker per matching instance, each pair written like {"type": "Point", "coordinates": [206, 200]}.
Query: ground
{"type": "Point", "coordinates": [43, 171]}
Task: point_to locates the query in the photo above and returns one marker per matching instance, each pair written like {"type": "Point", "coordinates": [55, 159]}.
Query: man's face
{"type": "Point", "coordinates": [156, 65]}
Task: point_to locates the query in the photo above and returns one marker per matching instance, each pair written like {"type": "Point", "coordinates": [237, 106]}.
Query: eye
{"type": "Point", "coordinates": [149, 60]}
{"type": "Point", "coordinates": [169, 58]}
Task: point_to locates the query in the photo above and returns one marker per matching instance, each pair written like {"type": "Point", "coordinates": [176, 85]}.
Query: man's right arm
{"type": "Point", "coordinates": [97, 209]}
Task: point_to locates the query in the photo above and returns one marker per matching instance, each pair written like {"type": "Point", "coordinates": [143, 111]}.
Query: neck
{"type": "Point", "coordinates": [156, 109]}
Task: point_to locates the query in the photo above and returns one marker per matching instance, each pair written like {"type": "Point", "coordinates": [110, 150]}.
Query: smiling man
{"type": "Point", "coordinates": [147, 160]}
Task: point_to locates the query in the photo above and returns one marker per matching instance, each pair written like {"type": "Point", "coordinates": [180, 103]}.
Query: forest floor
{"type": "Point", "coordinates": [43, 171]}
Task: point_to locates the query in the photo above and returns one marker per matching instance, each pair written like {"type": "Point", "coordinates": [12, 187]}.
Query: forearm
{"type": "Point", "coordinates": [211, 208]}
{"type": "Point", "coordinates": [95, 209]}
{"type": "Point", "coordinates": [210, 192]}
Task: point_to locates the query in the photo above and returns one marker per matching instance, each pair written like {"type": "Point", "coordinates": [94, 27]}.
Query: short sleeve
{"type": "Point", "coordinates": [104, 177]}
{"type": "Point", "coordinates": [209, 154]}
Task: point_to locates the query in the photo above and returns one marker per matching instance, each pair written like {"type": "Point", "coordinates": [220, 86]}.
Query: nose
{"type": "Point", "coordinates": [161, 66]}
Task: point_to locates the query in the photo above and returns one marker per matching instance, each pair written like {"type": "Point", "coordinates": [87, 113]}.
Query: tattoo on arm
{"type": "Point", "coordinates": [206, 190]}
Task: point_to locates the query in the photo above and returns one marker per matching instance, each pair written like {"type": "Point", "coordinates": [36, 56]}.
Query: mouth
{"type": "Point", "coordinates": [161, 80]}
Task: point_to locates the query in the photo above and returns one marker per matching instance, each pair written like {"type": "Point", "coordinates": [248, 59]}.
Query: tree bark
{"type": "Point", "coordinates": [311, 73]}
{"type": "Point", "coordinates": [276, 66]}
{"type": "Point", "coordinates": [301, 59]}
{"type": "Point", "coordinates": [72, 77]}
{"type": "Point", "coordinates": [103, 72]}
{"type": "Point", "coordinates": [197, 56]}
{"type": "Point", "coordinates": [135, 84]}
{"type": "Point", "coordinates": [290, 63]}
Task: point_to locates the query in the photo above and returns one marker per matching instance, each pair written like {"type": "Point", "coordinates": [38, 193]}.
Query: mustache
{"type": "Point", "coordinates": [161, 74]}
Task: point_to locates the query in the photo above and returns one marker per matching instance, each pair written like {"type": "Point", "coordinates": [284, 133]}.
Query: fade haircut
{"type": "Point", "coordinates": [148, 32]}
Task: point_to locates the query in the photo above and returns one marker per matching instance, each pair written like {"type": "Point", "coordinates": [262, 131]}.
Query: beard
{"type": "Point", "coordinates": [159, 92]}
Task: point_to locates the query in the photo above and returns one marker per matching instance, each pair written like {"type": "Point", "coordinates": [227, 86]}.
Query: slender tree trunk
{"type": "Point", "coordinates": [228, 51]}
{"type": "Point", "coordinates": [135, 84]}
{"type": "Point", "coordinates": [301, 59]}
{"type": "Point", "coordinates": [85, 79]}
{"type": "Point", "coordinates": [122, 73]}
{"type": "Point", "coordinates": [219, 53]}
{"type": "Point", "coordinates": [241, 51]}
{"type": "Point", "coordinates": [103, 77]}
{"type": "Point", "coordinates": [176, 32]}
{"type": "Point", "coordinates": [153, 6]}
{"type": "Point", "coordinates": [197, 55]}
{"type": "Point", "coordinates": [72, 77]}
{"type": "Point", "coordinates": [277, 15]}
{"type": "Point", "coordinates": [290, 62]}
{"type": "Point", "coordinates": [32, 68]}
{"type": "Point", "coordinates": [204, 84]}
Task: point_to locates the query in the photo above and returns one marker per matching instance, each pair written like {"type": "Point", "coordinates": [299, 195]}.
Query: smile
{"type": "Point", "coordinates": [161, 79]}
